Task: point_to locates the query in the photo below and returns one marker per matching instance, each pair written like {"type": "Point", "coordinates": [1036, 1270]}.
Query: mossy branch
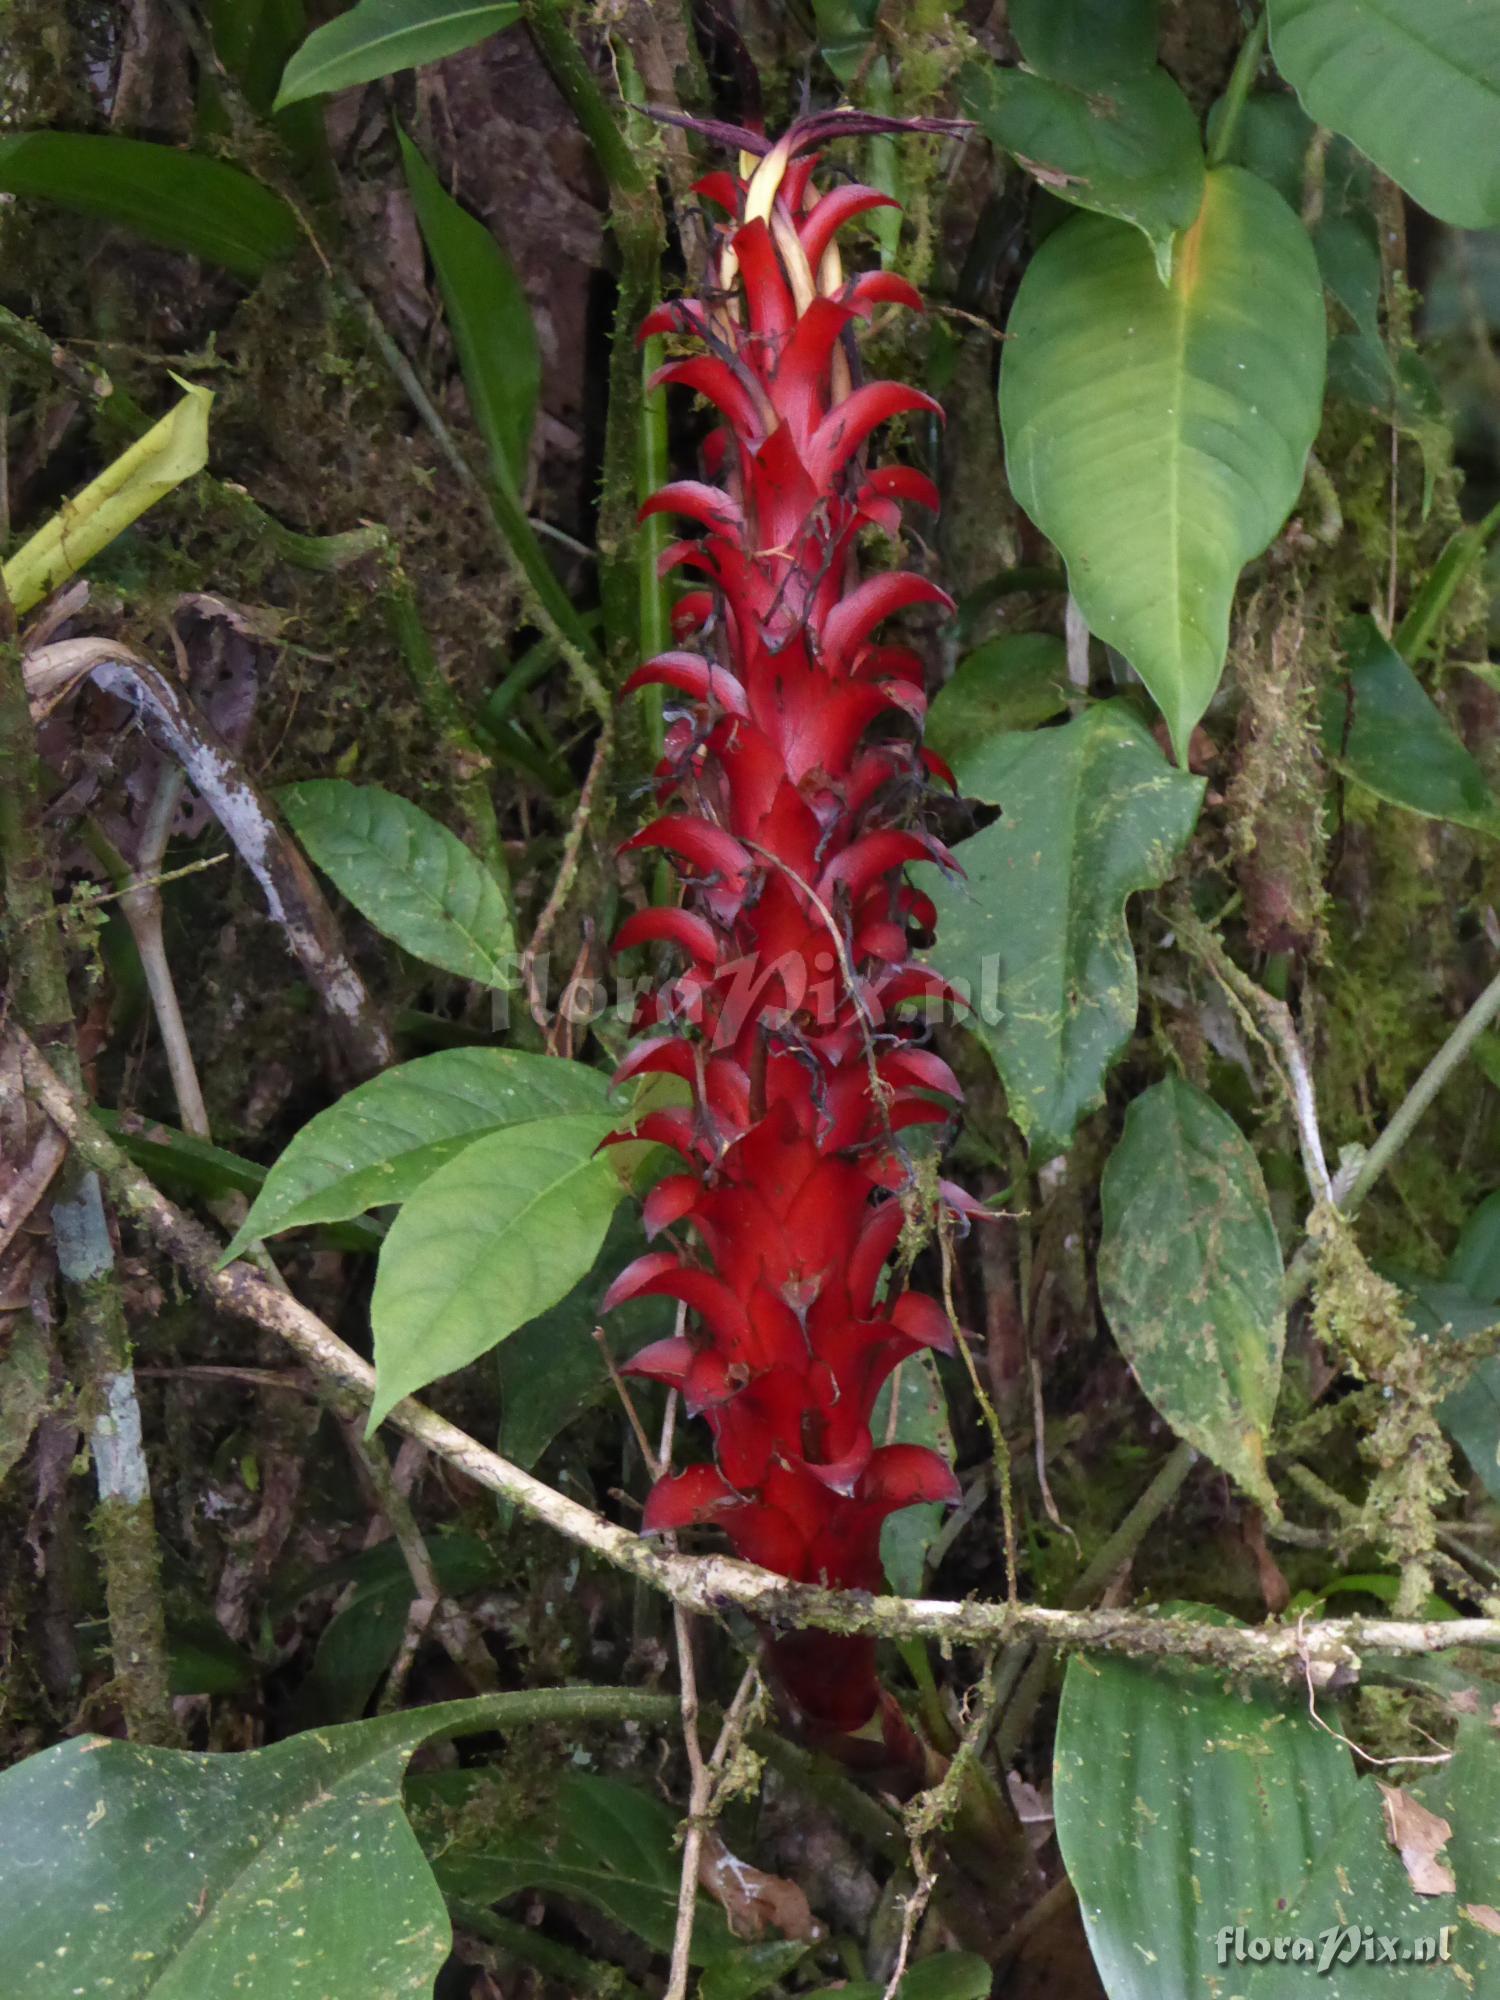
{"type": "Point", "coordinates": [1326, 1653]}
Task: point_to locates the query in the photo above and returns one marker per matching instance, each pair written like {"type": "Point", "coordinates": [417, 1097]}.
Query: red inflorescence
{"type": "Point", "coordinates": [791, 830]}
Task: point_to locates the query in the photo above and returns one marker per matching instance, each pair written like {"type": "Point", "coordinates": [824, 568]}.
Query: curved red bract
{"type": "Point", "coordinates": [792, 774]}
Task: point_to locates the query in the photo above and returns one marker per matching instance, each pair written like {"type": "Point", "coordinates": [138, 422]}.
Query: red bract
{"type": "Point", "coordinates": [792, 772]}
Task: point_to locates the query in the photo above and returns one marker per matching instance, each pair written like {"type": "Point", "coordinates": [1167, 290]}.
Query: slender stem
{"type": "Point", "coordinates": [1242, 77]}
{"type": "Point", "coordinates": [560, 50]}
{"type": "Point", "coordinates": [125, 1520]}
{"type": "Point", "coordinates": [699, 1792]}
{"type": "Point", "coordinates": [141, 904]}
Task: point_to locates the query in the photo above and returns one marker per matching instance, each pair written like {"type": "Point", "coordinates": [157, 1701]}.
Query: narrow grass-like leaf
{"type": "Point", "coordinates": [414, 880]}
{"type": "Point", "coordinates": [379, 37]}
{"type": "Point", "coordinates": [489, 318]}
{"type": "Point", "coordinates": [1190, 1275]}
{"type": "Point", "coordinates": [181, 199]}
{"type": "Point", "coordinates": [1414, 83]}
{"type": "Point", "coordinates": [486, 1243]}
{"type": "Point", "coordinates": [381, 1141]}
{"type": "Point", "coordinates": [1158, 434]}
{"type": "Point", "coordinates": [1090, 813]}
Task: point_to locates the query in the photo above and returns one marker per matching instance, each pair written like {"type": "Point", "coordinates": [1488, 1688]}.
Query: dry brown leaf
{"type": "Point", "coordinates": [1417, 1836]}
{"type": "Point", "coordinates": [1487, 1919]}
{"type": "Point", "coordinates": [751, 1899]}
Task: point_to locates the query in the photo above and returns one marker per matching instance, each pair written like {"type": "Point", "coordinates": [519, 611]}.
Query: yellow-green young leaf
{"type": "Point", "coordinates": [379, 37]}
{"type": "Point", "coordinates": [414, 880]}
{"type": "Point", "coordinates": [184, 200]}
{"type": "Point", "coordinates": [1193, 1818]}
{"type": "Point", "coordinates": [1158, 433]}
{"type": "Point", "coordinates": [1190, 1276]}
{"type": "Point", "coordinates": [489, 318]}
{"type": "Point", "coordinates": [170, 452]}
{"type": "Point", "coordinates": [1414, 83]}
{"type": "Point", "coordinates": [486, 1243]}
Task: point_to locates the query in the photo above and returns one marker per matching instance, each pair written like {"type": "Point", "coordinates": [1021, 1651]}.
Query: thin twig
{"type": "Point", "coordinates": [712, 1583]}
{"type": "Point", "coordinates": [931, 1810]}
{"type": "Point", "coordinates": [699, 1791]}
{"type": "Point", "coordinates": [293, 898]}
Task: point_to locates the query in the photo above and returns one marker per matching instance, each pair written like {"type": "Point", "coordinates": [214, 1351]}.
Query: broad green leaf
{"type": "Point", "coordinates": [381, 1141]}
{"type": "Point", "coordinates": [184, 200]}
{"type": "Point", "coordinates": [921, 1418]}
{"type": "Point", "coordinates": [486, 1243]}
{"type": "Point", "coordinates": [1383, 728]}
{"type": "Point", "coordinates": [1090, 42]}
{"type": "Point", "coordinates": [1414, 83]}
{"type": "Point", "coordinates": [1188, 1811]}
{"type": "Point", "coordinates": [362, 1638]}
{"type": "Point", "coordinates": [170, 452]}
{"type": "Point", "coordinates": [378, 37]}
{"type": "Point", "coordinates": [1013, 682]}
{"type": "Point", "coordinates": [254, 43]}
{"type": "Point", "coordinates": [489, 318]}
{"type": "Point", "coordinates": [1131, 151]}
{"type": "Point", "coordinates": [844, 31]}
{"type": "Point", "coordinates": [414, 880]}
{"type": "Point", "coordinates": [1466, 1792]}
{"type": "Point", "coordinates": [1190, 1275]}
{"type": "Point", "coordinates": [1158, 434]}
{"type": "Point", "coordinates": [283, 1874]}
{"type": "Point", "coordinates": [606, 1843]}
{"type": "Point", "coordinates": [1449, 1310]}
{"type": "Point", "coordinates": [948, 1975]}
{"type": "Point", "coordinates": [1475, 1263]}
{"type": "Point", "coordinates": [1090, 813]}
{"type": "Point", "coordinates": [203, 1659]}
{"type": "Point", "coordinates": [25, 1388]}
{"type": "Point", "coordinates": [550, 1370]}
{"type": "Point", "coordinates": [740, 1975]}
